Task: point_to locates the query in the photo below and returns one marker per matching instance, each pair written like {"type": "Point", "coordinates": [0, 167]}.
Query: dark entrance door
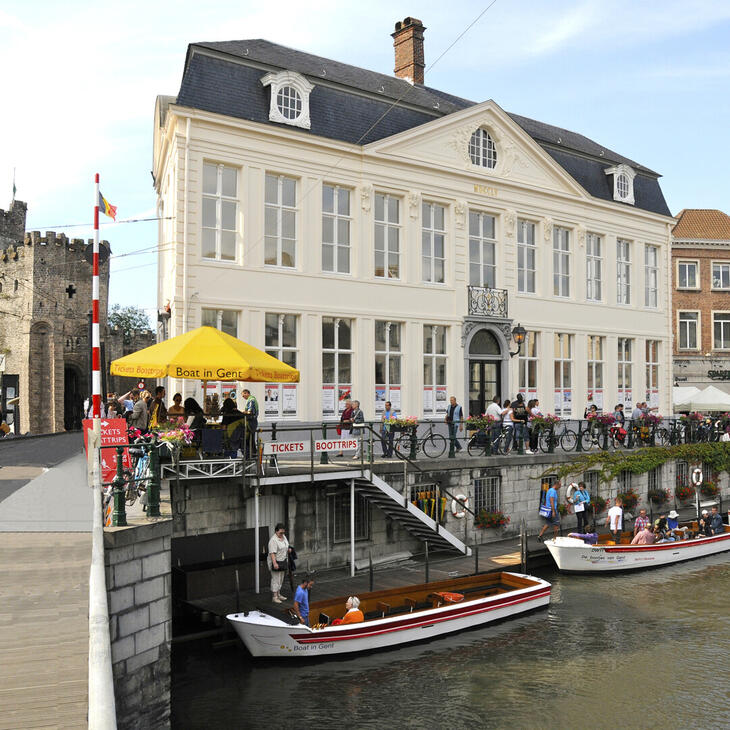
{"type": "Point", "coordinates": [73, 402]}
{"type": "Point", "coordinates": [484, 384]}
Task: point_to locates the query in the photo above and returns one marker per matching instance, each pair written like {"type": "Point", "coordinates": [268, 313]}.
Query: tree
{"type": "Point", "coordinates": [128, 319]}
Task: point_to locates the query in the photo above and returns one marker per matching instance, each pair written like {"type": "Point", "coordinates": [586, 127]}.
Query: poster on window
{"type": "Point", "coordinates": [379, 399]}
{"type": "Point", "coordinates": [442, 402]}
{"type": "Point", "coordinates": [328, 400]}
{"type": "Point", "coordinates": [271, 400]}
{"type": "Point", "coordinates": [595, 398]}
{"type": "Point", "coordinates": [427, 400]}
{"type": "Point", "coordinates": [395, 398]}
{"type": "Point", "coordinates": [652, 398]}
{"type": "Point", "coordinates": [558, 401]}
{"type": "Point", "coordinates": [567, 403]}
{"type": "Point", "coordinates": [289, 400]}
{"type": "Point", "coordinates": [626, 397]}
{"type": "Point", "coordinates": [344, 393]}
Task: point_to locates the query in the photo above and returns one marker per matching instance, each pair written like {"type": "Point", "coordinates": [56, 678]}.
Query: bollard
{"type": "Point", "coordinates": [604, 433]}
{"type": "Point", "coordinates": [452, 440]}
{"type": "Point", "coordinates": [414, 443]}
{"type": "Point", "coordinates": [551, 440]}
{"type": "Point", "coordinates": [119, 515]}
{"type": "Point", "coordinates": [578, 442]}
{"type": "Point", "coordinates": [323, 458]}
{"type": "Point", "coordinates": [153, 490]}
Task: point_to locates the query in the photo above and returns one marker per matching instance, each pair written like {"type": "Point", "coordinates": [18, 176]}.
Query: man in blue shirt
{"type": "Point", "coordinates": [553, 519]}
{"type": "Point", "coordinates": [301, 599]}
{"type": "Point", "coordinates": [716, 524]}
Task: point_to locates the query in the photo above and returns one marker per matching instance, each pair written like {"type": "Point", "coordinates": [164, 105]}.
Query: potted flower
{"type": "Point", "coordinates": [486, 519]}
{"type": "Point", "coordinates": [562, 509]}
{"type": "Point", "coordinates": [598, 504]}
{"type": "Point", "coordinates": [629, 498]}
{"type": "Point", "coordinates": [691, 417]}
{"type": "Point", "coordinates": [709, 489]}
{"type": "Point", "coordinates": [651, 419]}
{"type": "Point", "coordinates": [402, 423]}
{"type": "Point", "coordinates": [659, 495]}
{"type": "Point", "coordinates": [684, 492]}
{"type": "Point", "coordinates": [479, 423]}
{"type": "Point", "coordinates": [544, 422]}
{"type": "Point", "coordinates": [174, 436]}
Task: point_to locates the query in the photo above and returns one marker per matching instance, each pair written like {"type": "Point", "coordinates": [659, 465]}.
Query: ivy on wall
{"type": "Point", "coordinates": [610, 464]}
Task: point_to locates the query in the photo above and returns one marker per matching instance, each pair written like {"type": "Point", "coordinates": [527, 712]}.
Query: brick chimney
{"type": "Point", "coordinates": [408, 45]}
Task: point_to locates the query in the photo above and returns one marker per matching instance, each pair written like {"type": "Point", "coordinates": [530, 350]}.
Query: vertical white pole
{"type": "Point", "coordinates": [257, 564]}
{"type": "Point", "coordinates": [352, 527]}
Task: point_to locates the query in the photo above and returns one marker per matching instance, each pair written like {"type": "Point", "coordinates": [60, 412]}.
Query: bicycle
{"type": "Point", "coordinates": [432, 444]}
{"type": "Point", "coordinates": [478, 443]}
{"type": "Point", "coordinates": [137, 477]}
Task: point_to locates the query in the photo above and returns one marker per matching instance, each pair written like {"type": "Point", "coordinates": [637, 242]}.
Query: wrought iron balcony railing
{"type": "Point", "coordinates": [487, 302]}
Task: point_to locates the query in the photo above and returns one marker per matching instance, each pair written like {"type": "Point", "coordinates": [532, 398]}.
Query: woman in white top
{"type": "Point", "coordinates": [278, 561]}
{"type": "Point", "coordinates": [507, 424]}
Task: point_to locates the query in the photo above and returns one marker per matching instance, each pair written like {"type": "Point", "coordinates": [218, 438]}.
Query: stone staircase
{"type": "Point", "coordinates": [400, 509]}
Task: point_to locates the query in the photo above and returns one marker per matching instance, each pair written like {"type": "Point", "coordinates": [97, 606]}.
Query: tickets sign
{"type": "Point", "coordinates": [113, 433]}
{"type": "Point", "coordinates": [281, 448]}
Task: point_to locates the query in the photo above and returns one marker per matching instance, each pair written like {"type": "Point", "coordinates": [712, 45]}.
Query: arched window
{"type": "Point", "coordinates": [484, 343]}
{"type": "Point", "coordinates": [482, 150]}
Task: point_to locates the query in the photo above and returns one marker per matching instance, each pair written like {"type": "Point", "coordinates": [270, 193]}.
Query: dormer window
{"type": "Point", "coordinates": [623, 183]}
{"type": "Point", "coordinates": [289, 103]}
{"type": "Point", "coordinates": [482, 150]}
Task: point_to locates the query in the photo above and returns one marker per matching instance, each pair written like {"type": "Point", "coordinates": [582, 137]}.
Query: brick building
{"type": "Point", "coordinates": [45, 300]}
{"type": "Point", "coordinates": [701, 298]}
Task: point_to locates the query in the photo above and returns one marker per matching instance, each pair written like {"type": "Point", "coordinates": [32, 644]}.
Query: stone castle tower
{"type": "Point", "coordinates": [45, 301]}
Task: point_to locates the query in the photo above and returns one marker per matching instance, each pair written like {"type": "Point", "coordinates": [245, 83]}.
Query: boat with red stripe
{"type": "Point", "coordinates": [394, 616]}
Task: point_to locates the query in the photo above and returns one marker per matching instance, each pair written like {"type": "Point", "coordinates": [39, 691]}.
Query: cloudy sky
{"type": "Point", "coordinates": [650, 80]}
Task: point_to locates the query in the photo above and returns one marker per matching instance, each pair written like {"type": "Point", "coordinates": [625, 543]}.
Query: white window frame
{"type": "Point", "coordinates": [483, 242]}
{"type": "Point", "coordinates": [389, 257]}
{"type": "Point", "coordinates": [220, 199]}
{"type": "Point", "coordinates": [652, 367]}
{"type": "Point", "coordinates": [693, 263]}
{"type": "Point", "coordinates": [594, 267]}
{"type": "Point", "coordinates": [524, 249]}
{"type": "Point", "coordinates": [561, 261]}
{"type": "Point", "coordinates": [563, 372]}
{"type": "Point", "coordinates": [433, 359]}
{"type": "Point", "coordinates": [651, 276]}
{"type": "Point", "coordinates": [219, 313]}
{"type": "Point", "coordinates": [430, 236]}
{"type": "Point", "coordinates": [388, 353]}
{"type": "Point", "coordinates": [624, 368]}
{"type": "Point", "coordinates": [288, 79]}
{"type": "Point", "coordinates": [284, 353]}
{"type": "Point", "coordinates": [623, 271]}
{"type": "Point", "coordinates": [619, 171]}
{"type": "Point", "coordinates": [214, 387]}
{"type": "Point", "coordinates": [595, 370]}
{"type": "Point", "coordinates": [529, 365]}
{"type": "Point", "coordinates": [280, 208]}
{"type": "Point", "coordinates": [483, 149]}
{"type": "Point", "coordinates": [337, 219]}
{"type": "Point", "coordinates": [722, 265]}
{"type": "Point", "coordinates": [339, 385]}
{"type": "Point", "coordinates": [680, 322]}
{"type": "Point", "coordinates": [725, 330]}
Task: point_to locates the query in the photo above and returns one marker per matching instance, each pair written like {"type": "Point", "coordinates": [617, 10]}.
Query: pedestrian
{"type": "Point", "coordinates": [507, 425]}
{"type": "Point", "coordinates": [158, 411]}
{"type": "Point", "coordinates": [386, 430]}
{"type": "Point", "coordinates": [251, 411]}
{"type": "Point", "coordinates": [615, 519]}
{"type": "Point", "coordinates": [494, 409]}
{"type": "Point", "coordinates": [637, 413]}
{"type": "Point", "coordinates": [582, 506]}
{"type": "Point", "coordinates": [535, 412]}
{"type": "Point", "coordinates": [138, 419]}
{"type": "Point", "coordinates": [549, 511]}
{"type": "Point", "coordinates": [455, 420]}
{"type": "Point", "coordinates": [345, 422]}
{"type": "Point", "coordinates": [716, 524]}
{"type": "Point", "coordinates": [301, 599]}
{"type": "Point", "coordinates": [519, 419]}
{"type": "Point", "coordinates": [704, 524]}
{"type": "Point", "coordinates": [176, 409]}
{"type": "Point", "coordinates": [278, 561]}
{"type": "Point", "coordinates": [641, 521]}
{"type": "Point", "coordinates": [358, 421]}
{"type": "Point", "coordinates": [619, 415]}
{"type": "Point", "coordinates": [195, 419]}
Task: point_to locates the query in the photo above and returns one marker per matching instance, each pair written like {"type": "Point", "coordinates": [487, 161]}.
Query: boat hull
{"type": "Point", "coordinates": [266, 636]}
{"type": "Point", "coordinates": [574, 556]}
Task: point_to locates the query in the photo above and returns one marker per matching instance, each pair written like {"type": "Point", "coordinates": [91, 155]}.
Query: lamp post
{"type": "Point", "coordinates": [518, 335]}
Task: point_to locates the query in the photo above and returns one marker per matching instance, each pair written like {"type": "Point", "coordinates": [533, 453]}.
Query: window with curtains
{"type": "Point", "coordinates": [688, 324]}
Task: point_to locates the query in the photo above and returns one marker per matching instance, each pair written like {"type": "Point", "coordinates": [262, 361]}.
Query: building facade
{"type": "Point", "coordinates": [701, 298]}
{"type": "Point", "coordinates": [45, 305]}
{"type": "Point", "coordinates": [385, 238]}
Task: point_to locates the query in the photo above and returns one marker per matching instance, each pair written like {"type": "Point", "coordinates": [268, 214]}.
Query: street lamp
{"type": "Point", "coordinates": [518, 335]}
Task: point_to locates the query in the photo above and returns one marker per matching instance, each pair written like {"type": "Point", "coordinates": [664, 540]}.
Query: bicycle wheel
{"type": "Point", "coordinates": [586, 440]}
{"type": "Point", "coordinates": [662, 437]}
{"type": "Point", "coordinates": [403, 444]}
{"type": "Point", "coordinates": [433, 445]}
{"type": "Point", "coordinates": [475, 448]}
{"type": "Point", "coordinates": [543, 441]}
{"type": "Point", "coordinates": [568, 440]}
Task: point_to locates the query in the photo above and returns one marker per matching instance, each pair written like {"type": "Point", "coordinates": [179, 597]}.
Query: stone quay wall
{"type": "Point", "coordinates": [138, 579]}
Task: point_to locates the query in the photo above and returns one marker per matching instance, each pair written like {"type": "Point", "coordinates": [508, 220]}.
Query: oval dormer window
{"type": "Point", "coordinates": [482, 150]}
{"type": "Point", "coordinates": [622, 186]}
{"type": "Point", "coordinates": [289, 102]}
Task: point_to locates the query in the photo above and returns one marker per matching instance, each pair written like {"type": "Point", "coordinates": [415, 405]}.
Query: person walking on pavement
{"type": "Point", "coordinates": [138, 419]}
{"type": "Point", "coordinates": [454, 419]}
{"type": "Point", "coordinates": [494, 409]}
{"type": "Point", "coordinates": [345, 422]}
{"type": "Point", "coordinates": [386, 431]}
{"type": "Point", "coordinates": [553, 518]}
{"type": "Point", "coordinates": [519, 419]}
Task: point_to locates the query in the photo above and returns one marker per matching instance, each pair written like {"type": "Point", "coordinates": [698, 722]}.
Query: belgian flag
{"type": "Point", "coordinates": [107, 208]}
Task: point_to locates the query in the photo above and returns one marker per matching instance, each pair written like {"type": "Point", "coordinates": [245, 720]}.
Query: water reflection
{"type": "Point", "coordinates": [632, 650]}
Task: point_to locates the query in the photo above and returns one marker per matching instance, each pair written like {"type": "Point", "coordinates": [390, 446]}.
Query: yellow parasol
{"type": "Point", "coordinates": [205, 354]}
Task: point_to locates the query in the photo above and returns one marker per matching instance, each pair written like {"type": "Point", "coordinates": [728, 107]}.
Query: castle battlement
{"type": "Point", "coordinates": [13, 251]}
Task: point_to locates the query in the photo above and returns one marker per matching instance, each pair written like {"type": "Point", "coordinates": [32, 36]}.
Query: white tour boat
{"type": "Point", "coordinates": [395, 616]}
{"type": "Point", "coordinates": [572, 555]}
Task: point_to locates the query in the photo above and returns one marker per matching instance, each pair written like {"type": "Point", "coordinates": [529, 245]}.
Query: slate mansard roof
{"type": "Point", "coordinates": [225, 78]}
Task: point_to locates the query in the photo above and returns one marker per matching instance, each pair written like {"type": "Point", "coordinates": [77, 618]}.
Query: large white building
{"type": "Point", "coordinates": [385, 238]}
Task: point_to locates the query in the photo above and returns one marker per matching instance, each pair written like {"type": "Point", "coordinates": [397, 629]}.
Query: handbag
{"type": "Point", "coordinates": [545, 510]}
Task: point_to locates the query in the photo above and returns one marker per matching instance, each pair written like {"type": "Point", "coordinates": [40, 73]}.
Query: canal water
{"type": "Point", "coordinates": [645, 650]}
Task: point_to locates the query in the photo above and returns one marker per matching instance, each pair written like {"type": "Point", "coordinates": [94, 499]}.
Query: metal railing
{"type": "Point", "coordinates": [485, 301]}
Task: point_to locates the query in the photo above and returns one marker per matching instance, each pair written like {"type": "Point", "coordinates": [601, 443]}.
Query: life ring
{"type": "Point", "coordinates": [697, 477]}
{"type": "Point", "coordinates": [459, 505]}
{"type": "Point", "coordinates": [572, 487]}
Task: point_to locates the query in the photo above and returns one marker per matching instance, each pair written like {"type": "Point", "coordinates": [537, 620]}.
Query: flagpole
{"type": "Point", "coordinates": [95, 351]}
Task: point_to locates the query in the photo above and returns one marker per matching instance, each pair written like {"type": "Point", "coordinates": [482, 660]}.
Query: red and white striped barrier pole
{"type": "Point", "coordinates": [95, 346]}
